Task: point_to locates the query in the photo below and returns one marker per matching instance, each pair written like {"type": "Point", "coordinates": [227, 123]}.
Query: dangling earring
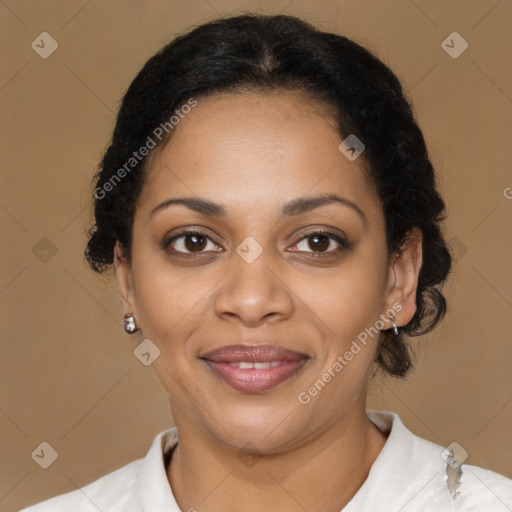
{"type": "Point", "coordinates": [129, 323]}
{"type": "Point", "coordinates": [392, 318]}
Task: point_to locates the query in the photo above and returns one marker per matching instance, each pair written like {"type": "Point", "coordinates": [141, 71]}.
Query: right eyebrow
{"type": "Point", "coordinates": [196, 204]}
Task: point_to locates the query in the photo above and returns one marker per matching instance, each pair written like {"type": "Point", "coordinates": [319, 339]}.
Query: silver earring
{"type": "Point", "coordinates": [129, 323]}
{"type": "Point", "coordinates": [392, 318]}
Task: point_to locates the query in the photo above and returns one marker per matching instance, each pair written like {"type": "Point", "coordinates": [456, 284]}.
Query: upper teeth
{"type": "Point", "coordinates": [257, 366]}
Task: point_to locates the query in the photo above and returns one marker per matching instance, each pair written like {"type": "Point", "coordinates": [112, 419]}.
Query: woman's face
{"type": "Point", "coordinates": [259, 272]}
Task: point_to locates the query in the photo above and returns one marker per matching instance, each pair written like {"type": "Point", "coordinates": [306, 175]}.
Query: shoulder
{"type": "Point", "coordinates": [417, 474]}
{"type": "Point", "coordinates": [113, 492]}
{"type": "Point", "coordinates": [480, 488]}
{"type": "Point", "coordinates": [454, 482]}
{"type": "Point", "coordinates": [125, 489]}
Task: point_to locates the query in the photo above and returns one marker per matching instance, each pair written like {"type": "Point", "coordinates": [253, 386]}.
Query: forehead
{"type": "Point", "coordinates": [247, 149]}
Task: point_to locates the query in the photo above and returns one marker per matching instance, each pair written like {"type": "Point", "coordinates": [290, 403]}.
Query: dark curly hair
{"type": "Point", "coordinates": [263, 53]}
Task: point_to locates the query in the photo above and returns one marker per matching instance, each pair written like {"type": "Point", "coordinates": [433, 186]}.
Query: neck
{"type": "Point", "coordinates": [320, 475]}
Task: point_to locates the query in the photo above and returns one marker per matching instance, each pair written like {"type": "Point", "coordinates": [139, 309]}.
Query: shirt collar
{"type": "Point", "coordinates": [153, 486]}
{"type": "Point", "coordinates": [406, 466]}
{"type": "Point", "coordinates": [398, 453]}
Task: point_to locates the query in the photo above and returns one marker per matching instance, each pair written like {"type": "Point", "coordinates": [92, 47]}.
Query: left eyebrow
{"type": "Point", "coordinates": [308, 203]}
{"type": "Point", "coordinates": [293, 207]}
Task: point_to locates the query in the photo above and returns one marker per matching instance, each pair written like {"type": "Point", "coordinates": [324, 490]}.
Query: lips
{"type": "Point", "coordinates": [254, 368]}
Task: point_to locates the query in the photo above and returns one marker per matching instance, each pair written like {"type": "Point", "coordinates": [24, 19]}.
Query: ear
{"type": "Point", "coordinates": [124, 280]}
{"type": "Point", "coordinates": [404, 270]}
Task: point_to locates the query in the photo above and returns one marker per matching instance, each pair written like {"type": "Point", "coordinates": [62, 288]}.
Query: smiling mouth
{"type": "Point", "coordinates": [254, 368]}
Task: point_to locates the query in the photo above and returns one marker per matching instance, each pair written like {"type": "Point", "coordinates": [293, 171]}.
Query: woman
{"type": "Point", "coordinates": [271, 214]}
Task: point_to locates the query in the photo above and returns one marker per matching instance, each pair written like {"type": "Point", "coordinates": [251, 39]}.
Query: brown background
{"type": "Point", "coordinates": [68, 373]}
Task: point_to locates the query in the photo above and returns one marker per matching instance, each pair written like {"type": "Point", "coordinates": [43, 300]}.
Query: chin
{"type": "Point", "coordinates": [259, 426]}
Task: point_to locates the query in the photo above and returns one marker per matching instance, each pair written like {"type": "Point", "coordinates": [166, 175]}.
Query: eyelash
{"type": "Point", "coordinates": [197, 232]}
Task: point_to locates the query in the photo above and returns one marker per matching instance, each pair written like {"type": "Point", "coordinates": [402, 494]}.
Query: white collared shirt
{"type": "Point", "coordinates": [408, 475]}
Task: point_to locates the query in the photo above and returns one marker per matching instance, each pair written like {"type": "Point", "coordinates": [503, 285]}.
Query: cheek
{"type": "Point", "coordinates": [171, 308]}
{"type": "Point", "coordinates": [348, 299]}
{"type": "Point", "coordinates": [170, 301]}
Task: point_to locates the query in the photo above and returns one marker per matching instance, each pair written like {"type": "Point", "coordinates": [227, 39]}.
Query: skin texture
{"type": "Point", "coordinates": [253, 152]}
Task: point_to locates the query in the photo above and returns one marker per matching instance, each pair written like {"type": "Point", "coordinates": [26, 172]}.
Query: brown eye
{"type": "Point", "coordinates": [192, 241]}
{"type": "Point", "coordinates": [320, 242]}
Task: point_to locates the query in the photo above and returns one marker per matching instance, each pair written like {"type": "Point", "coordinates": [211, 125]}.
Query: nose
{"type": "Point", "coordinates": [253, 293]}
